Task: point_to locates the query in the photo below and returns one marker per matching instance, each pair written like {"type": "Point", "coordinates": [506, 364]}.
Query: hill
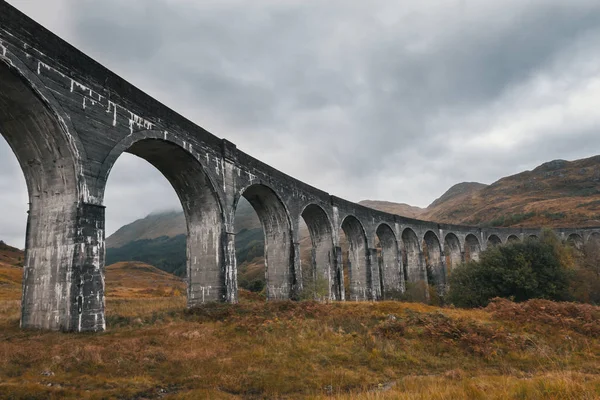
{"type": "Point", "coordinates": [394, 208]}
{"type": "Point", "coordinates": [139, 280]}
{"type": "Point", "coordinates": [557, 193]}
{"type": "Point", "coordinates": [11, 271]}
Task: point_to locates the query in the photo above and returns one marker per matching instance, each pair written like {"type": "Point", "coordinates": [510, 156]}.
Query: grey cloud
{"type": "Point", "coordinates": [362, 100]}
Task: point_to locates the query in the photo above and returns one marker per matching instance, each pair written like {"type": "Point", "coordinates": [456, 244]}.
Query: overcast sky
{"type": "Point", "coordinates": [390, 100]}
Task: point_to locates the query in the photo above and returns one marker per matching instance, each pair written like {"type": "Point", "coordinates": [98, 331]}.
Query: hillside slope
{"type": "Point", "coordinates": [557, 193]}
{"type": "Point", "coordinates": [403, 209]}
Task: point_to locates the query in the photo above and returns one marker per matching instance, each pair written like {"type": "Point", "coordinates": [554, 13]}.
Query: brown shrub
{"type": "Point", "coordinates": [581, 318]}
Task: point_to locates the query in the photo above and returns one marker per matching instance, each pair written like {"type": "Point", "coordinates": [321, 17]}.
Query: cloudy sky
{"type": "Point", "coordinates": [385, 99]}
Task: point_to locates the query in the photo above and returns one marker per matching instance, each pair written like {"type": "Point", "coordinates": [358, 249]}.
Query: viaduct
{"type": "Point", "coordinates": [68, 119]}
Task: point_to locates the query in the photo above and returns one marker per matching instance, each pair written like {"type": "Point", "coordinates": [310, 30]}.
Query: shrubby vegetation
{"type": "Point", "coordinates": [534, 269]}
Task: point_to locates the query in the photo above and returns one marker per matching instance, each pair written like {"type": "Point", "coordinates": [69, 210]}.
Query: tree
{"type": "Point", "coordinates": [520, 271]}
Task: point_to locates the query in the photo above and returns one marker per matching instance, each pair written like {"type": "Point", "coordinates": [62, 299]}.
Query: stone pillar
{"type": "Point", "coordinates": [297, 284]}
{"type": "Point", "coordinates": [63, 276]}
{"type": "Point", "coordinates": [338, 266]}
{"type": "Point", "coordinates": [374, 282]}
{"type": "Point", "coordinates": [230, 268]}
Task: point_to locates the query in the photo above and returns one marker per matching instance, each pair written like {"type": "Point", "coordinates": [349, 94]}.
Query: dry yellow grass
{"type": "Point", "coordinates": [388, 350]}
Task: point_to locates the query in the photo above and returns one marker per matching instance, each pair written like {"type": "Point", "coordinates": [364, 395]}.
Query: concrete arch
{"type": "Point", "coordinates": [594, 237]}
{"type": "Point", "coordinates": [575, 240]}
{"type": "Point", "coordinates": [358, 277]}
{"type": "Point", "coordinates": [533, 237]}
{"type": "Point", "coordinates": [452, 251]}
{"type": "Point", "coordinates": [434, 263]}
{"type": "Point", "coordinates": [411, 257]}
{"type": "Point", "coordinates": [388, 260]}
{"type": "Point", "coordinates": [472, 248]}
{"type": "Point", "coordinates": [321, 236]}
{"type": "Point", "coordinates": [513, 239]}
{"type": "Point", "coordinates": [277, 227]}
{"type": "Point", "coordinates": [206, 275]}
{"type": "Point", "coordinates": [48, 152]}
{"type": "Point", "coordinates": [128, 143]}
{"type": "Point", "coordinates": [493, 240]}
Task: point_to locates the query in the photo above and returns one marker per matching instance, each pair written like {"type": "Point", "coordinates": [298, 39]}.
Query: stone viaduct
{"type": "Point", "coordinates": [68, 119]}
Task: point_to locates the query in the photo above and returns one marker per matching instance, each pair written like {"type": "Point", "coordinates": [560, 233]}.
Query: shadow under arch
{"type": "Point", "coordinates": [49, 151]}
{"type": "Point", "coordinates": [493, 241]}
{"type": "Point", "coordinates": [390, 271]}
{"type": "Point", "coordinates": [436, 273]}
{"type": "Point", "coordinates": [358, 277]}
{"type": "Point", "coordinates": [513, 239]}
{"type": "Point", "coordinates": [411, 257]}
{"type": "Point", "coordinates": [452, 251]}
{"type": "Point", "coordinates": [575, 240]}
{"type": "Point", "coordinates": [320, 274]}
{"type": "Point", "coordinates": [472, 248]}
{"type": "Point", "coordinates": [206, 272]}
{"type": "Point", "coordinates": [281, 280]}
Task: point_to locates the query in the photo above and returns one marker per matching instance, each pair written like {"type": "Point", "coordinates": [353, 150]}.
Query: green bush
{"type": "Point", "coordinates": [519, 271]}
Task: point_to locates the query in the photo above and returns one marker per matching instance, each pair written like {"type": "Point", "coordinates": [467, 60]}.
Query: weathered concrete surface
{"type": "Point", "coordinates": [68, 119]}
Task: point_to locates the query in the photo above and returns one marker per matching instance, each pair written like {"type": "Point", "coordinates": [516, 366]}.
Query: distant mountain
{"type": "Point", "coordinates": [558, 193]}
{"type": "Point", "coordinates": [171, 224]}
{"type": "Point", "coordinates": [394, 208]}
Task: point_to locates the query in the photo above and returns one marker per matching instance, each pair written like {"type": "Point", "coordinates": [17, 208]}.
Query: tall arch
{"type": "Point", "coordinates": [207, 278]}
{"type": "Point", "coordinates": [277, 228]}
{"type": "Point", "coordinates": [56, 253]}
{"type": "Point", "coordinates": [472, 248]}
{"type": "Point", "coordinates": [436, 273]}
{"type": "Point", "coordinates": [390, 271]}
{"type": "Point", "coordinates": [411, 257]}
{"type": "Point", "coordinates": [575, 240]}
{"type": "Point", "coordinates": [321, 237]}
{"type": "Point", "coordinates": [452, 251]}
{"type": "Point", "coordinates": [493, 241]}
{"type": "Point", "coordinates": [358, 277]}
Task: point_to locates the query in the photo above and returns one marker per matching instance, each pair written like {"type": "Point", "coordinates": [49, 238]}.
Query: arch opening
{"type": "Point", "coordinates": [411, 257]}
{"type": "Point", "coordinates": [472, 248]}
{"type": "Point", "coordinates": [493, 241]}
{"type": "Point", "coordinates": [436, 274]}
{"type": "Point", "coordinates": [48, 162]}
{"type": "Point", "coordinates": [513, 239]}
{"type": "Point", "coordinates": [203, 265]}
{"type": "Point", "coordinates": [452, 251]}
{"type": "Point", "coordinates": [275, 221]}
{"type": "Point", "coordinates": [249, 249]}
{"type": "Point", "coordinates": [576, 241]}
{"type": "Point", "coordinates": [355, 276]}
{"type": "Point", "coordinates": [388, 262]}
{"type": "Point", "coordinates": [316, 255]}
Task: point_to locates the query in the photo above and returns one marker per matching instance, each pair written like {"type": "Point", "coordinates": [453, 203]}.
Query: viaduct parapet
{"type": "Point", "coordinates": [68, 119]}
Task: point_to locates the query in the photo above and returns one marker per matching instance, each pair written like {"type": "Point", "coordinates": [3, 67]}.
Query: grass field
{"type": "Point", "coordinates": [154, 348]}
